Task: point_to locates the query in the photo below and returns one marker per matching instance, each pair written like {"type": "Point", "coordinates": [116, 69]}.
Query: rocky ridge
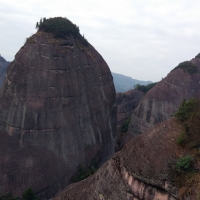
{"type": "Point", "coordinates": [164, 99]}
{"type": "Point", "coordinates": [133, 173]}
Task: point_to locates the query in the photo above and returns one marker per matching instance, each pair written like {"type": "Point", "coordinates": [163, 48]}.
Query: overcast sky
{"type": "Point", "coordinates": [143, 39]}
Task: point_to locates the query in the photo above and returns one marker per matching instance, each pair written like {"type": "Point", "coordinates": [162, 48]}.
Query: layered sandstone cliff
{"type": "Point", "coordinates": [142, 170]}
{"type": "Point", "coordinates": [164, 99]}
{"type": "Point", "coordinates": [57, 110]}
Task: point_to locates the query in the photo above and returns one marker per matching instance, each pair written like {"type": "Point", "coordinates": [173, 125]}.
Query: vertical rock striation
{"type": "Point", "coordinates": [57, 110]}
{"type": "Point", "coordinates": [142, 170]}
{"type": "Point", "coordinates": [126, 103]}
{"type": "Point", "coordinates": [164, 99]}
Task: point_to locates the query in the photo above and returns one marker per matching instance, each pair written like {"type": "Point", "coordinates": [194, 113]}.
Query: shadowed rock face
{"type": "Point", "coordinates": [57, 110]}
{"type": "Point", "coordinates": [126, 103]}
{"type": "Point", "coordinates": [140, 171]}
{"type": "Point", "coordinates": [164, 99]}
{"type": "Point", "coordinates": [3, 67]}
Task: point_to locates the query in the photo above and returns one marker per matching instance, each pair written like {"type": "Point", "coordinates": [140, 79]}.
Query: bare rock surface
{"type": "Point", "coordinates": [126, 103]}
{"type": "Point", "coordinates": [164, 99]}
{"type": "Point", "coordinates": [57, 110]}
{"type": "Point", "coordinates": [140, 171]}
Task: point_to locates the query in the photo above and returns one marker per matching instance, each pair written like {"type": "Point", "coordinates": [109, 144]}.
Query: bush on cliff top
{"type": "Point", "coordinates": [187, 66]}
{"type": "Point", "coordinates": [144, 88]}
{"type": "Point", "coordinates": [60, 28]}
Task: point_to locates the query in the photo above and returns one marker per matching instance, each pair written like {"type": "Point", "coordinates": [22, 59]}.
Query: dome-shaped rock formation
{"type": "Point", "coordinates": [57, 110]}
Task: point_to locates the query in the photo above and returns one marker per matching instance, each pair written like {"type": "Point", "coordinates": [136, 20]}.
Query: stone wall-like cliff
{"type": "Point", "coordinates": [164, 99]}
{"type": "Point", "coordinates": [126, 103]}
{"type": "Point", "coordinates": [142, 170]}
{"type": "Point", "coordinates": [57, 110]}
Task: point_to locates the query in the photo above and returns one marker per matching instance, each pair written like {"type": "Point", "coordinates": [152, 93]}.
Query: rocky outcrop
{"type": "Point", "coordinates": [164, 99]}
{"type": "Point", "coordinates": [142, 170]}
{"type": "Point", "coordinates": [126, 103]}
{"type": "Point", "coordinates": [57, 110]}
{"type": "Point", "coordinates": [3, 67]}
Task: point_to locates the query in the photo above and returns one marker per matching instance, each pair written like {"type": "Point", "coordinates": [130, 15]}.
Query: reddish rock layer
{"type": "Point", "coordinates": [57, 110]}
{"type": "Point", "coordinates": [140, 171]}
{"type": "Point", "coordinates": [164, 99]}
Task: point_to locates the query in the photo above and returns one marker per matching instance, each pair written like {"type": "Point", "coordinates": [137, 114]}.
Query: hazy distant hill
{"type": "Point", "coordinates": [124, 83]}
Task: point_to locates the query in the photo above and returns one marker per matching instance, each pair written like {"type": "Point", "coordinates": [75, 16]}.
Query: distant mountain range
{"type": "Point", "coordinates": [124, 83]}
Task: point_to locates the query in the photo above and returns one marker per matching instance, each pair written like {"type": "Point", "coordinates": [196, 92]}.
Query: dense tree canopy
{"type": "Point", "coordinates": [187, 66]}
{"type": "Point", "coordinates": [144, 88]}
{"type": "Point", "coordinates": [60, 28]}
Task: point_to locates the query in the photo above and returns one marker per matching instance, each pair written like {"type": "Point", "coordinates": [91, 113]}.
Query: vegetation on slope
{"type": "Point", "coordinates": [27, 195]}
{"type": "Point", "coordinates": [60, 27]}
{"type": "Point", "coordinates": [124, 126]}
{"type": "Point", "coordinates": [186, 176]}
{"type": "Point", "coordinates": [145, 88]}
{"type": "Point", "coordinates": [188, 67]}
{"type": "Point", "coordinates": [189, 115]}
{"type": "Point", "coordinates": [85, 171]}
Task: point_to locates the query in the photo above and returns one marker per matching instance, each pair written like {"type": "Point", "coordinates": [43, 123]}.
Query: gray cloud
{"type": "Point", "coordinates": [142, 39]}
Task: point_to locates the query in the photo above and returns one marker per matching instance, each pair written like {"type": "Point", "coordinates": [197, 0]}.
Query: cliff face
{"type": "Point", "coordinates": [164, 99]}
{"type": "Point", "coordinates": [140, 171]}
{"type": "Point", "coordinates": [3, 67]}
{"type": "Point", "coordinates": [126, 103]}
{"type": "Point", "coordinates": [57, 110]}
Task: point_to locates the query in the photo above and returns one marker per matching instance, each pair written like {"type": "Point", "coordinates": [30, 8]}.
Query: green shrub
{"type": "Point", "coordinates": [188, 67]}
{"type": "Point", "coordinates": [144, 88]}
{"type": "Point", "coordinates": [180, 140]}
{"type": "Point", "coordinates": [189, 116]}
{"type": "Point", "coordinates": [8, 196]}
{"type": "Point", "coordinates": [29, 195]}
{"type": "Point", "coordinates": [124, 126]}
{"type": "Point", "coordinates": [85, 171]}
{"type": "Point", "coordinates": [186, 109]}
{"type": "Point", "coordinates": [184, 162]}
